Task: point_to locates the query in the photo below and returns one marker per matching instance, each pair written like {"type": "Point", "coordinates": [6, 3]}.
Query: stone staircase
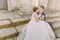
{"type": "Point", "coordinates": [11, 24]}
{"type": "Point", "coordinates": [54, 18]}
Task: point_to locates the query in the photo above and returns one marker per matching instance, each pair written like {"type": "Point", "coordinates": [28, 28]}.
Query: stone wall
{"type": "Point", "coordinates": [26, 6]}
{"type": "Point", "coordinates": [43, 2]}
{"type": "Point", "coordinates": [3, 5]}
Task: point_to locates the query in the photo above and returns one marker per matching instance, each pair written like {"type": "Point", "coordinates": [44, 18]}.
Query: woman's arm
{"type": "Point", "coordinates": [36, 17]}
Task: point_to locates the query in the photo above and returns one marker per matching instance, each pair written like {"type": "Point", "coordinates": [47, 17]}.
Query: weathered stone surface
{"type": "Point", "coordinates": [20, 28]}
{"type": "Point", "coordinates": [7, 32]}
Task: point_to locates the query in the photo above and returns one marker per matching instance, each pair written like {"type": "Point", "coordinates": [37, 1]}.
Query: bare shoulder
{"type": "Point", "coordinates": [34, 14]}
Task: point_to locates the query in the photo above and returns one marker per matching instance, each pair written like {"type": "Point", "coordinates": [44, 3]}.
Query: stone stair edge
{"type": "Point", "coordinates": [8, 33]}
{"type": "Point", "coordinates": [13, 24]}
{"type": "Point", "coordinates": [9, 36]}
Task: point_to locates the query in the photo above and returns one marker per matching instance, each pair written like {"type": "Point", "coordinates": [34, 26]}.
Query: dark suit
{"type": "Point", "coordinates": [44, 19]}
{"type": "Point", "coordinates": [42, 14]}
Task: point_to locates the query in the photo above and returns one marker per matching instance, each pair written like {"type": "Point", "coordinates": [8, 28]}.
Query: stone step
{"type": "Point", "coordinates": [9, 15]}
{"type": "Point", "coordinates": [12, 15]}
{"type": "Point", "coordinates": [10, 33]}
{"type": "Point", "coordinates": [3, 11]}
{"type": "Point", "coordinates": [56, 19]}
{"type": "Point", "coordinates": [56, 25]}
{"type": "Point", "coordinates": [7, 32]}
{"type": "Point", "coordinates": [49, 18]}
{"type": "Point", "coordinates": [20, 28]}
{"type": "Point", "coordinates": [58, 38]}
{"type": "Point", "coordinates": [4, 22]}
{"type": "Point", "coordinates": [13, 21]}
{"type": "Point", "coordinates": [53, 14]}
{"type": "Point", "coordinates": [57, 32]}
{"type": "Point", "coordinates": [20, 19]}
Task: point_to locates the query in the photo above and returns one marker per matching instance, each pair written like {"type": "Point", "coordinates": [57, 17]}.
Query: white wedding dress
{"type": "Point", "coordinates": [37, 31]}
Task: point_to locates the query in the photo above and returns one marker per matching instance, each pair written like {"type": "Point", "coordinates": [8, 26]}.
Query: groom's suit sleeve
{"type": "Point", "coordinates": [43, 14]}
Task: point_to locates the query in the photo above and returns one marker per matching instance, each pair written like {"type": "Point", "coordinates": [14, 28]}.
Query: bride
{"type": "Point", "coordinates": [37, 29]}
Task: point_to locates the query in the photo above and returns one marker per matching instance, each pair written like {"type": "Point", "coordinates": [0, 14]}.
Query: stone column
{"type": "Point", "coordinates": [34, 3]}
{"type": "Point", "coordinates": [51, 4]}
{"type": "Point", "coordinates": [9, 5]}
{"type": "Point", "coordinates": [57, 5]}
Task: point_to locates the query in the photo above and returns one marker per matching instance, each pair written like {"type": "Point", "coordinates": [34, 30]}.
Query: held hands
{"type": "Point", "coordinates": [38, 19]}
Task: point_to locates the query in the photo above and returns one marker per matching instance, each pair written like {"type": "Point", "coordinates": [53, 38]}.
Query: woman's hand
{"type": "Point", "coordinates": [37, 20]}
